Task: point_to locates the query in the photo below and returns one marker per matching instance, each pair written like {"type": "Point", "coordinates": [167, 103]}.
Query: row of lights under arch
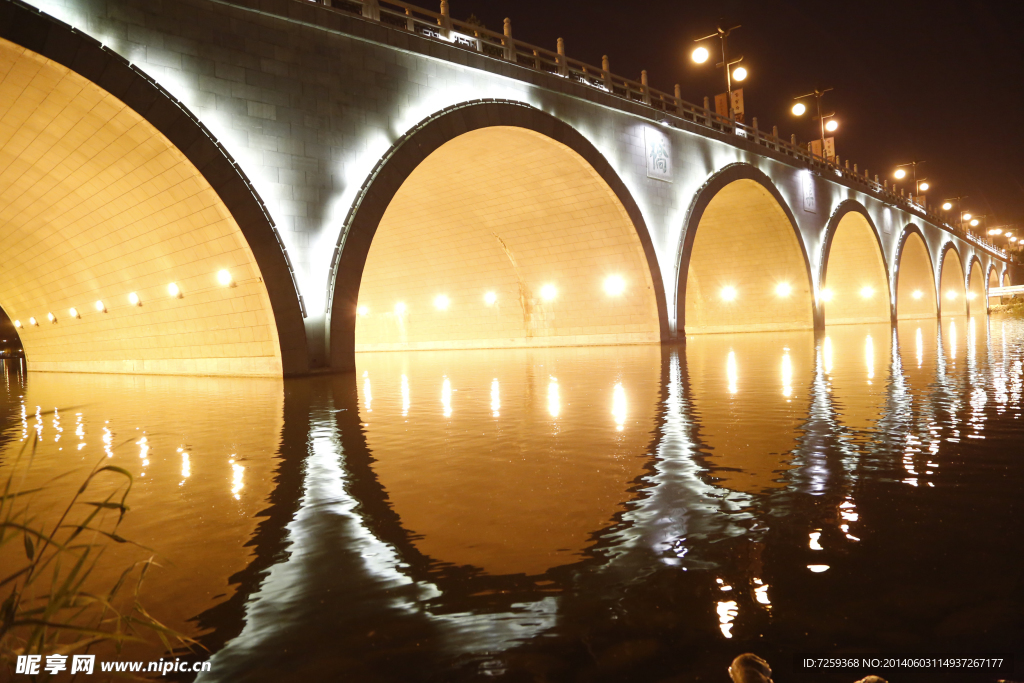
{"type": "Point", "coordinates": [784, 289]}
{"type": "Point", "coordinates": [614, 285]}
{"type": "Point", "coordinates": [224, 279]}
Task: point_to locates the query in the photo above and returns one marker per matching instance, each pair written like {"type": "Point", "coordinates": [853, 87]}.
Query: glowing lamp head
{"type": "Point", "coordinates": [1012, 238]}
{"type": "Point", "coordinates": [951, 295]}
{"type": "Point", "coordinates": [32, 321]}
{"type": "Point", "coordinates": [729, 293]}
{"type": "Point", "coordinates": [362, 310]}
{"type": "Point", "coordinates": [134, 299]}
{"type": "Point", "coordinates": [867, 292]}
{"type": "Point", "coordinates": [50, 317]}
{"type": "Point", "coordinates": [73, 312]}
{"type": "Point", "coordinates": [548, 292]}
{"type": "Point", "coordinates": [799, 109]}
{"type": "Point", "coordinates": [995, 231]}
{"type": "Point", "coordinates": [975, 222]}
{"type": "Point", "coordinates": [970, 296]}
{"type": "Point", "coordinates": [923, 186]}
{"type": "Point", "coordinates": [946, 206]}
{"type": "Point", "coordinates": [17, 323]}
{"type": "Point", "coordinates": [900, 174]}
{"type": "Point", "coordinates": [700, 55]}
{"type": "Point", "coordinates": [441, 302]}
{"type": "Point", "coordinates": [400, 308]}
{"type": "Point", "coordinates": [174, 290]}
{"type": "Point", "coordinates": [783, 289]}
{"type": "Point", "coordinates": [832, 126]}
{"type": "Point", "coordinates": [826, 295]}
{"type": "Point", "coordinates": [490, 298]}
{"type": "Point", "coordinates": [224, 278]}
{"type": "Point", "coordinates": [739, 74]}
{"type": "Point", "coordinates": [967, 216]}
{"type": "Point", "coordinates": [100, 307]}
{"type": "Point", "coordinates": [614, 285]}
{"type": "Point", "coordinates": [917, 294]}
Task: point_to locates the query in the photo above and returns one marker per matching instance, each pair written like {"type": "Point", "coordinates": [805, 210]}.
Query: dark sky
{"type": "Point", "coordinates": [940, 81]}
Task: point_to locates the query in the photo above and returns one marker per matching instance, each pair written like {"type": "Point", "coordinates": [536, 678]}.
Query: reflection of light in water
{"type": "Point", "coordinates": [828, 355]}
{"type": "Point", "coordinates": [367, 394]}
{"type": "Point", "coordinates": [818, 568]}
{"type": "Point", "coordinates": [236, 479]}
{"type": "Point", "coordinates": [495, 398]}
{"type": "Point", "coordinates": [761, 593]}
{"type": "Point", "coordinates": [554, 404]}
{"type": "Point", "coordinates": [919, 338]}
{"type": "Point", "coordinates": [730, 371]}
{"type": "Point", "coordinates": [869, 356]}
{"type": "Point", "coordinates": [787, 375]}
{"type": "Point", "coordinates": [24, 423]}
{"type": "Point", "coordinates": [405, 396]}
{"type": "Point", "coordinates": [970, 339]}
{"type": "Point", "coordinates": [108, 439]}
{"type": "Point", "coordinates": [39, 422]}
{"type": "Point", "coordinates": [143, 445]}
{"type": "Point", "coordinates": [952, 340]}
{"type": "Point", "coordinates": [619, 406]}
{"type": "Point", "coordinates": [186, 466]}
{"type": "Point", "coordinates": [79, 430]}
{"type": "Point", "coordinates": [813, 544]}
{"type": "Point", "coordinates": [727, 612]}
{"type": "Point", "coordinates": [446, 397]}
{"type": "Point", "coordinates": [56, 425]}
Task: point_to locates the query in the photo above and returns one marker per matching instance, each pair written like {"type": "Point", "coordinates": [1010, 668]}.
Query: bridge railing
{"type": "Point", "coordinates": [440, 26]}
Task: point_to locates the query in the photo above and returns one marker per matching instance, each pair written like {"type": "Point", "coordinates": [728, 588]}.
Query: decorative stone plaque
{"type": "Point", "coordinates": [659, 154]}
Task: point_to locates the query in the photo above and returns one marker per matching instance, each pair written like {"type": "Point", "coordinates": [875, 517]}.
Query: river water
{"type": "Point", "coordinates": [636, 513]}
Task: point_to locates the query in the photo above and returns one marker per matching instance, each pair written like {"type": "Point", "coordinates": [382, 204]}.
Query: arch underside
{"type": "Point", "coordinates": [951, 285]}
{"type": "Point", "coordinates": [504, 237]}
{"type": "Point", "coordinates": [95, 204]}
{"type": "Point", "coordinates": [976, 288]}
{"type": "Point", "coordinates": [915, 281]}
{"type": "Point", "coordinates": [746, 270]}
{"type": "Point", "coordinates": [856, 286]}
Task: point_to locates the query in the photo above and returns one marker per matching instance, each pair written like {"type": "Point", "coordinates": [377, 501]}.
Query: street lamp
{"type": "Point", "coordinates": [799, 109]}
{"type": "Point", "coordinates": [901, 173]}
{"type": "Point", "coordinates": [701, 54]}
{"type": "Point", "coordinates": [947, 204]}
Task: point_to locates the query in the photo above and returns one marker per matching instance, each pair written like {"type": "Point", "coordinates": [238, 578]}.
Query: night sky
{"type": "Point", "coordinates": [941, 82]}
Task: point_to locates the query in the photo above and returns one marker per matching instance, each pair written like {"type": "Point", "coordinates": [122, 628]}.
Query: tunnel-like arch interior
{"type": "Point", "coordinates": [505, 237]}
{"type": "Point", "coordinates": [856, 285]}
{"type": "Point", "coordinates": [745, 267]}
{"type": "Point", "coordinates": [976, 288]}
{"type": "Point", "coordinates": [993, 281]}
{"type": "Point", "coordinates": [951, 284]}
{"type": "Point", "coordinates": [915, 279]}
{"type": "Point", "coordinates": [119, 255]}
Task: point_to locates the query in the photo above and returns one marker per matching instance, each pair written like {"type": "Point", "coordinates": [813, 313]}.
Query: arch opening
{"type": "Point", "coordinates": [1006, 278]}
{"type": "Point", "coordinates": [915, 280]}
{"type": "Point", "coordinates": [952, 284]}
{"type": "Point", "coordinates": [121, 255]}
{"type": "Point", "coordinates": [746, 270]}
{"type": "Point", "coordinates": [976, 289]}
{"type": "Point", "coordinates": [855, 286]}
{"type": "Point", "coordinates": [504, 237]}
{"type": "Point", "coordinates": [993, 281]}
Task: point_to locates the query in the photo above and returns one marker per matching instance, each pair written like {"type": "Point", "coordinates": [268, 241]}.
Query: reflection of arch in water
{"type": "Point", "coordinates": [509, 497]}
{"type": "Point", "coordinates": [915, 277]}
{"type": "Point", "coordinates": [855, 280]}
{"type": "Point", "coordinates": [745, 390]}
{"type": "Point", "coordinates": [742, 262]}
{"type": "Point", "coordinates": [857, 360]}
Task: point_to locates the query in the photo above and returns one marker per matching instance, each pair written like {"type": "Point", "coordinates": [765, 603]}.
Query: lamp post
{"type": "Point", "coordinates": [701, 54]}
{"type": "Point", "coordinates": [947, 204]}
{"type": "Point", "coordinates": [800, 108]}
{"type": "Point", "coordinates": [901, 173]}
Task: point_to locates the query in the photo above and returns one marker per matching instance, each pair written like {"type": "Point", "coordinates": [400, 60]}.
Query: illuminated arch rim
{"type": "Point", "coordinates": [699, 204]}
{"type": "Point", "coordinates": [964, 282]}
{"type": "Point", "coordinates": [53, 39]}
{"type": "Point", "coordinates": [399, 162]}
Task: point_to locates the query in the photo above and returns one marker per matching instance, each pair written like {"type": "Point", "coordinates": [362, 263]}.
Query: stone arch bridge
{"type": "Point", "coordinates": [263, 187]}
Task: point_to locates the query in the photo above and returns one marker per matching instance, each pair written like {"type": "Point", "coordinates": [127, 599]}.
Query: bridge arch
{"type": "Point", "coordinates": [915, 277]}
{"type": "Point", "coordinates": [992, 281]}
{"type": "Point", "coordinates": [112, 187]}
{"type": "Point", "coordinates": [952, 282]}
{"type": "Point", "coordinates": [510, 201]}
{"type": "Point", "coordinates": [976, 286]}
{"type": "Point", "coordinates": [1006, 277]}
{"type": "Point", "coordinates": [742, 263]}
{"type": "Point", "coordinates": [854, 277]}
